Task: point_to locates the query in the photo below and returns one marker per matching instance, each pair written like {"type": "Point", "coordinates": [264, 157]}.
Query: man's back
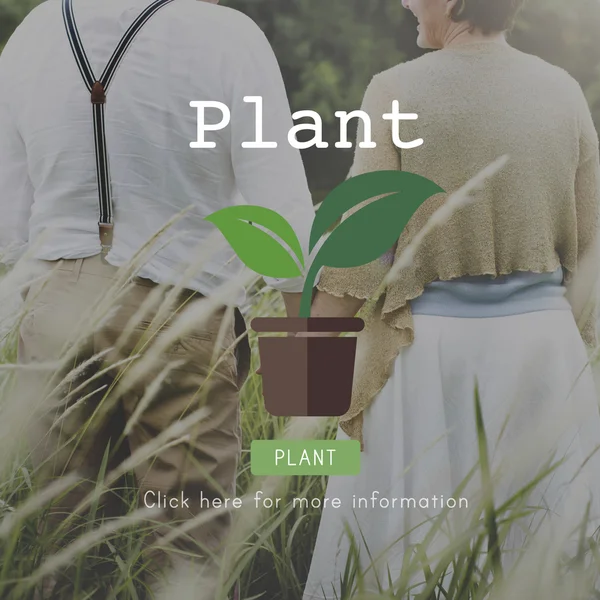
{"type": "Point", "coordinates": [188, 51]}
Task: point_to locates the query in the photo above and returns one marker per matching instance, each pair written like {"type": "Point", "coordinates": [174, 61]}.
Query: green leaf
{"type": "Point", "coordinates": [265, 217]}
{"type": "Point", "coordinates": [258, 250]}
{"type": "Point", "coordinates": [370, 232]}
{"type": "Point", "coordinates": [358, 189]}
{"type": "Point", "coordinates": [491, 516]}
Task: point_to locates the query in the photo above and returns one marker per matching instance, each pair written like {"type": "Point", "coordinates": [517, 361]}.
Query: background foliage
{"type": "Point", "coordinates": [329, 50]}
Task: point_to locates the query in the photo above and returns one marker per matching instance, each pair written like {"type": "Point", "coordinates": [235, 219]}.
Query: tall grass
{"type": "Point", "coordinates": [272, 557]}
{"type": "Point", "coordinates": [269, 551]}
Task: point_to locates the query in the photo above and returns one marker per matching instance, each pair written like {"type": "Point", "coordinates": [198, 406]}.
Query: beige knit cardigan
{"type": "Point", "coordinates": [476, 102]}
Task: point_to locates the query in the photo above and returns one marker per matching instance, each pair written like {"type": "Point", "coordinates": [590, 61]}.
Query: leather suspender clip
{"type": "Point", "coordinates": [98, 93]}
{"type": "Point", "coordinates": [106, 237]}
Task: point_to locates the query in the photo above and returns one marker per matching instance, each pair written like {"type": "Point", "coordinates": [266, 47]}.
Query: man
{"type": "Point", "coordinates": [90, 183]}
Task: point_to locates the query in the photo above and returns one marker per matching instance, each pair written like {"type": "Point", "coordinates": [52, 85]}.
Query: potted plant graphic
{"type": "Point", "coordinates": [313, 376]}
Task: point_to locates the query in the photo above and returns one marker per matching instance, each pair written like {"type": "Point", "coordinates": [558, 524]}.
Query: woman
{"type": "Point", "coordinates": [484, 301]}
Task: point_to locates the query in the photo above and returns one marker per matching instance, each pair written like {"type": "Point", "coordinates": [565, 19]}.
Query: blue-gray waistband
{"type": "Point", "coordinates": [487, 296]}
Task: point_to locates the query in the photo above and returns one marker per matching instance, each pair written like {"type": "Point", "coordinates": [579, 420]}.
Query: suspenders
{"type": "Point", "coordinates": [98, 89]}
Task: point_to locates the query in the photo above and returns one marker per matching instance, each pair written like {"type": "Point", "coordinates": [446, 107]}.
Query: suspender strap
{"type": "Point", "coordinates": [98, 89]}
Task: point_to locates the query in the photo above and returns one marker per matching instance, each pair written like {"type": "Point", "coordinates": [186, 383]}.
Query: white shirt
{"type": "Point", "coordinates": [189, 51]}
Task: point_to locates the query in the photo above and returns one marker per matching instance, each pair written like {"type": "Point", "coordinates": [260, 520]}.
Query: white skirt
{"type": "Point", "coordinates": [539, 403]}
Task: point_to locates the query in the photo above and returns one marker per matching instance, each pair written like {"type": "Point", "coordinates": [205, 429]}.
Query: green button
{"type": "Point", "coordinates": [313, 457]}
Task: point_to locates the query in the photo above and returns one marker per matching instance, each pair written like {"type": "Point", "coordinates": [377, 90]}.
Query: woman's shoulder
{"type": "Point", "coordinates": [442, 65]}
{"type": "Point", "coordinates": [558, 83]}
{"type": "Point", "coordinates": [545, 69]}
{"type": "Point", "coordinates": [407, 69]}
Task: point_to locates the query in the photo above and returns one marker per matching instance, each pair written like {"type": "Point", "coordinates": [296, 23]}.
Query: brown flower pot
{"type": "Point", "coordinates": [307, 376]}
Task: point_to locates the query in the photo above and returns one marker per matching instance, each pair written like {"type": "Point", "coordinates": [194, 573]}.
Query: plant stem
{"type": "Point", "coordinates": [307, 292]}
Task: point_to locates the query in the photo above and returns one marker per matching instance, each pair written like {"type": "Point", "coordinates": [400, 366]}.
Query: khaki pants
{"type": "Point", "coordinates": [81, 422]}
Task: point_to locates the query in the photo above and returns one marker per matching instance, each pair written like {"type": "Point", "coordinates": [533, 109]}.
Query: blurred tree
{"type": "Point", "coordinates": [565, 34]}
{"type": "Point", "coordinates": [12, 12]}
{"type": "Point", "coordinates": [329, 50]}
